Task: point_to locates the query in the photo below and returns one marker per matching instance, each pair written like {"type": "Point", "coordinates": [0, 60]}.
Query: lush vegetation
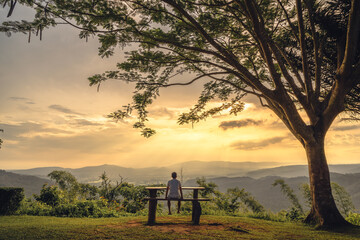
{"type": "Point", "coordinates": [234, 214]}
{"type": "Point", "coordinates": [10, 199]}
{"type": "Point", "coordinates": [174, 227]}
{"type": "Point", "coordinates": [69, 198]}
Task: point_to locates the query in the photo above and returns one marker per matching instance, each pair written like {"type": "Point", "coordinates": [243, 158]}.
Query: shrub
{"type": "Point", "coordinates": [84, 209]}
{"type": "Point", "coordinates": [133, 197]}
{"type": "Point", "coordinates": [35, 208]}
{"type": "Point", "coordinates": [89, 208]}
{"type": "Point", "coordinates": [10, 199]}
{"type": "Point", "coordinates": [294, 214]}
{"type": "Point", "coordinates": [50, 195]}
{"type": "Point", "coordinates": [353, 218]}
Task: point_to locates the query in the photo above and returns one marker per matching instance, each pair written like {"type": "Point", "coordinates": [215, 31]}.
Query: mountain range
{"type": "Point", "coordinates": [186, 170]}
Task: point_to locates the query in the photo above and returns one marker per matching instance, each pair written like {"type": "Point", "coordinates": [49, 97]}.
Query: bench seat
{"type": "Point", "coordinates": [195, 200]}
{"type": "Point", "coordinates": [184, 199]}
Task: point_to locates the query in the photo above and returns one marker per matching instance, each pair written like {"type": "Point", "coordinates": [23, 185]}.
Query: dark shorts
{"type": "Point", "coordinates": [173, 198]}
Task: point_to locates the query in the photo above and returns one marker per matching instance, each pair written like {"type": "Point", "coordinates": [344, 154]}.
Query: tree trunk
{"type": "Point", "coordinates": [323, 212]}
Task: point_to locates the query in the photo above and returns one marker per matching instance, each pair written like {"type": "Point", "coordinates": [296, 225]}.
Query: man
{"type": "Point", "coordinates": [175, 192]}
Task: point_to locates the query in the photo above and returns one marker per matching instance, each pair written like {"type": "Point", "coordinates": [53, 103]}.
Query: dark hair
{"type": "Point", "coordinates": [174, 175]}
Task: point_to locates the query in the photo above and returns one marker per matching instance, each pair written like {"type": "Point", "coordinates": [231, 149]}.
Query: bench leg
{"type": "Point", "coordinates": [152, 212]}
{"type": "Point", "coordinates": [196, 213]}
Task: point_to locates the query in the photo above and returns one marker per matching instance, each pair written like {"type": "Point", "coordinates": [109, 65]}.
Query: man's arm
{"type": "Point", "coordinates": [167, 190]}
{"type": "Point", "coordinates": [181, 193]}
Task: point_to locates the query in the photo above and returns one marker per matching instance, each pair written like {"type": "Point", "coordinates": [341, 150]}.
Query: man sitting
{"type": "Point", "coordinates": [175, 187]}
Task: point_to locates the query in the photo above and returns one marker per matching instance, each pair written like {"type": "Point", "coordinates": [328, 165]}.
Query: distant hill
{"type": "Point", "coordinates": [41, 172]}
{"type": "Point", "coordinates": [301, 170]}
{"type": "Point", "coordinates": [191, 169]}
{"type": "Point", "coordinates": [220, 168]}
{"type": "Point", "coordinates": [272, 198]}
{"type": "Point", "coordinates": [187, 170]}
{"type": "Point", "coordinates": [31, 184]}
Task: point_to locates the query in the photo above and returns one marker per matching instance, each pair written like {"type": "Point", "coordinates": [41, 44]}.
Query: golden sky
{"type": "Point", "coordinates": [51, 117]}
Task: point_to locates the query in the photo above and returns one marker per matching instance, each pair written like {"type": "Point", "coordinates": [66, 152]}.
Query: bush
{"type": "Point", "coordinates": [353, 218]}
{"type": "Point", "coordinates": [35, 208]}
{"type": "Point", "coordinates": [10, 199]}
{"type": "Point", "coordinates": [133, 197]}
{"type": "Point", "coordinates": [294, 214]}
{"type": "Point", "coordinates": [50, 195]}
{"type": "Point", "coordinates": [87, 208]}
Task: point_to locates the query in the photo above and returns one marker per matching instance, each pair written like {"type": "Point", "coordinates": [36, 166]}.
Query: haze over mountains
{"type": "Point", "coordinates": [256, 178]}
{"type": "Point", "coordinates": [186, 170]}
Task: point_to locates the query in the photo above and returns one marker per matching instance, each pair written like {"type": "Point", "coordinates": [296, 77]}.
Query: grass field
{"type": "Point", "coordinates": [169, 227]}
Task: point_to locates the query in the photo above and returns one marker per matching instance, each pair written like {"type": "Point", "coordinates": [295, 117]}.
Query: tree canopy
{"type": "Point", "coordinates": [295, 56]}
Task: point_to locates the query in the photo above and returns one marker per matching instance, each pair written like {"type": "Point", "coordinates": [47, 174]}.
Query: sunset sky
{"type": "Point", "coordinates": [51, 117]}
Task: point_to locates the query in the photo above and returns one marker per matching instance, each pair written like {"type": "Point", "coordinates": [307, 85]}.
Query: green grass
{"type": "Point", "coordinates": [167, 227]}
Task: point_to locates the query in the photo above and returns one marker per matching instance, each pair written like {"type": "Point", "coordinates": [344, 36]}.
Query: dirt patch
{"type": "Point", "coordinates": [174, 226]}
{"type": "Point", "coordinates": [126, 225]}
{"type": "Point", "coordinates": [182, 226]}
{"type": "Point", "coordinates": [185, 228]}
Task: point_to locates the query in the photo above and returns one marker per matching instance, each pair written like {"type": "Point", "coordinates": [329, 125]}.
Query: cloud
{"type": "Point", "coordinates": [161, 112]}
{"type": "Point", "coordinates": [346, 128]}
{"type": "Point", "coordinates": [106, 140]}
{"type": "Point", "coordinates": [62, 109]}
{"type": "Point", "coordinates": [22, 99]}
{"type": "Point", "coordinates": [19, 131]}
{"type": "Point", "coordinates": [35, 139]}
{"type": "Point", "coordinates": [84, 122]}
{"type": "Point", "coordinates": [239, 123]}
{"type": "Point", "coordinates": [251, 145]}
{"type": "Point", "coordinates": [19, 99]}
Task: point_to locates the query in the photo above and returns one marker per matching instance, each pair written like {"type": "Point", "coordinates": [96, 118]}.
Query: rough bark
{"type": "Point", "coordinates": [324, 212]}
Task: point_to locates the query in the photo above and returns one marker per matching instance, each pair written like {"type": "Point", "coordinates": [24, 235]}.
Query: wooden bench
{"type": "Point", "coordinates": [196, 207]}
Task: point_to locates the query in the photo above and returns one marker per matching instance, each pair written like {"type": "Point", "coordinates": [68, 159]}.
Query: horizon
{"type": "Point", "coordinates": [51, 116]}
{"type": "Point", "coordinates": [106, 164]}
{"type": "Point", "coordinates": [275, 165]}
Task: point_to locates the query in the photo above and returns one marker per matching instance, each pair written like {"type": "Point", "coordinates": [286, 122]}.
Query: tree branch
{"type": "Point", "coordinates": [305, 63]}
{"type": "Point", "coordinates": [316, 49]}
{"type": "Point", "coordinates": [352, 40]}
{"type": "Point", "coordinates": [292, 27]}
{"type": "Point", "coordinates": [228, 57]}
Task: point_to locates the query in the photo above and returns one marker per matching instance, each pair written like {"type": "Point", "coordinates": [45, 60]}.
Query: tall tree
{"type": "Point", "coordinates": [281, 51]}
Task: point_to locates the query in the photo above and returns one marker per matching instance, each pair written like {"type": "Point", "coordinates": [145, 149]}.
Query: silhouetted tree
{"type": "Point", "coordinates": [289, 193]}
{"type": "Point", "coordinates": [280, 51]}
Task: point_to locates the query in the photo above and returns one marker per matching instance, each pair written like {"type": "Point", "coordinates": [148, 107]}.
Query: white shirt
{"type": "Point", "coordinates": [174, 186]}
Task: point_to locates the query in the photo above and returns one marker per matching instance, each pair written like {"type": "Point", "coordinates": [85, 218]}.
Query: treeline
{"type": "Point", "coordinates": [69, 198]}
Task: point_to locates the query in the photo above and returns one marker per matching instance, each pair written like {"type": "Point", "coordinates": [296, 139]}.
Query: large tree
{"type": "Point", "coordinates": [300, 58]}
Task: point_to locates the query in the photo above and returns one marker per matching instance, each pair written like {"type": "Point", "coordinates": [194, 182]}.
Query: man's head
{"type": "Point", "coordinates": [174, 175]}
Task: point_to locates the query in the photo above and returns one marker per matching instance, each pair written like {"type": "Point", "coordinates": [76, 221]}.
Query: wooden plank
{"type": "Point", "coordinates": [155, 188]}
{"type": "Point", "coordinates": [184, 199]}
{"type": "Point", "coordinates": [192, 188]}
{"type": "Point", "coordinates": [183, 188]}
